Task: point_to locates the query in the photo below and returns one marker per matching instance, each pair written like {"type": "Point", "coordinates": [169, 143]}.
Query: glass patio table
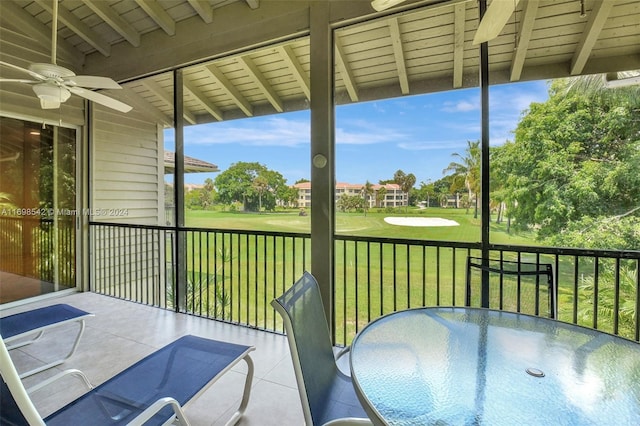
{"type": "Point", "coordinates": [473, 366]}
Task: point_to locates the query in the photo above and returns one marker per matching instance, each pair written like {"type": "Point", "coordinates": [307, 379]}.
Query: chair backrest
{"type": "Point", "coordinates": [305, 323]}
{"type": "Point", "coordinates": [16, 408]}
{"type": "Point", "coordinates": [525, 287]}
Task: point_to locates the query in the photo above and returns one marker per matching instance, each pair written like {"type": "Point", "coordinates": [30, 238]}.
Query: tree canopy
{"type": "Point", "coordinates": [574, 164]}
{"type": "Point", "coordinates": [252, 184]}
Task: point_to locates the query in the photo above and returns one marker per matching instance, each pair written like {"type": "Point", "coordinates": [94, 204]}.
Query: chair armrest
{"type": "Point", "coordinates": [349, 421]}
{"type": "Point", "coordinates": [154, 408]}
{"type": "Point", "coordinates": [343, 352]}
{"type": "Point", "coordinates": [343, 366]}
{"type": "Point", "coordinates": [70, 372]}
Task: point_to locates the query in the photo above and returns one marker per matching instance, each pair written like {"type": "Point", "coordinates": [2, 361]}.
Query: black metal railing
{"type": "Point", "coordinates": [229, 275]}
{"type": "Point", "coordinates": [232, 275]}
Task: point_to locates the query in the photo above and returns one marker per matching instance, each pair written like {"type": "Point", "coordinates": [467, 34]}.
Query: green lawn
{"type": "Point", "coordinates": [359, 224]}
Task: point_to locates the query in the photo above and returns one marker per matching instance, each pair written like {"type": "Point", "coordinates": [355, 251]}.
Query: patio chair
{"type": "Point", "coordinates": [152, 391]}
{"type": "Point", "coordinates": [327, 395]}
{"type": "Point", "coordinates": [524, 287]}
{"type": "Point", "coordinates": [27, 327]}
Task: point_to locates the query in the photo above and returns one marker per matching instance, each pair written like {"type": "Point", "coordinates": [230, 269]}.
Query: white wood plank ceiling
{"type": "Point", "coordinates": [418, 50]}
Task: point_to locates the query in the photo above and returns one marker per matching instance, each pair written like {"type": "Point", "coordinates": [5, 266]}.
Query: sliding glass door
{"type": "Point", "coordinates": [38, 208]}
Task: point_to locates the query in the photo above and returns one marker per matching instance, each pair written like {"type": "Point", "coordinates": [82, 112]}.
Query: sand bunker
{"type": "Point", "coordinates": [420, 221]}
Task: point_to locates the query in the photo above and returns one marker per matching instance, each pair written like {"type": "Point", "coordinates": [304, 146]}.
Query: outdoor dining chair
{"type": "Point", "coordinates": [153, 391]}
{"type": "Point", "coordinates": [327, 395]}
{"type": "Point", "coordinates": [525, 287]}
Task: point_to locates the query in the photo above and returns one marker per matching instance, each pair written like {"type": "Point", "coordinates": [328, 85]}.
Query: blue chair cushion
{"type": "Point", "coordinates": [179, 370]}
{"type": "Point", "coordinates": [23, 322]}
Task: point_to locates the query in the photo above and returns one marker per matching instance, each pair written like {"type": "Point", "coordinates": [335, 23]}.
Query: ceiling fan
{"type": "Point", "coordinates": [491, 24]}
{"type": "Point", "coordinates": [54, 84]}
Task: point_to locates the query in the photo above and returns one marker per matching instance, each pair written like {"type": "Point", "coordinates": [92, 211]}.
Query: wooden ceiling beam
{"type": "Point", "coordinates": [230, 89]}
{"type": "Point", "coordinates": [459, 13]}
{"type": "Point", "coordinates": [597, 19]}
{"type": "Point", "coordinates": [113, 19]}
{"type": "Point", "coordinates": [259, 79]}
{"type": "Point", "coordinates": [78, 27]}
{"type": "Point", "coordinates": [524, 37]}
{"type": "Point", "coordinates": [204, 9]}
{"type": "Point", "coordinates": [159, 15]}
{"type": "Point", "coordinates": [166, 97]}
{"type": "Point", "coordinates": [213, 110]}
{"type": "Point", "coordinates": [287, 54]}
{"type": "Point", "coordinates": [144, 107]}
{"type": "Point", "coordinates": [398, 53]}
{"type": "Point", "coordinates": [345, 71]}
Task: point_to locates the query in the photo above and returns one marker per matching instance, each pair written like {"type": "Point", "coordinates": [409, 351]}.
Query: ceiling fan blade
{"type": "Point", "coordinates": [92, 82]}
{"type": "Point", "coordinates": [494, 20]}
{"type": "Point", "coordinates": [101, 99]}
{"type": "Point", "coordinates": [31, 73]}
{"type": "Point", "coordinates": [380, 5]}
{"type": "Point", "coordinates": [17, 80]}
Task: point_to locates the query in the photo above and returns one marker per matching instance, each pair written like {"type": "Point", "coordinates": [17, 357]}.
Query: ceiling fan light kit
{"type": "Point", "coordinates": [51, 96]}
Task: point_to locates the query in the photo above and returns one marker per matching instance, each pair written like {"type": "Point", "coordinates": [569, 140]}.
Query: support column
{"type": "Point", "coordinates": [322, 154]}
{"type": "Point", "coordinates": [484, 161]}
{"type": "Point", "coordinates": [178, 188]}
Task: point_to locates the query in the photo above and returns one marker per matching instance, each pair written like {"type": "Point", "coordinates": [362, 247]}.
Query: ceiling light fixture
{"type": "Point", "coordinates": [51, 96]}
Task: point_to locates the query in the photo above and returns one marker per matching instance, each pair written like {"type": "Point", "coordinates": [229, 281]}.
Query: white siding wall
{"type": "Point", "coordinates": [127, 186]}
{"type": "Point", "coordinates": [127, 169]}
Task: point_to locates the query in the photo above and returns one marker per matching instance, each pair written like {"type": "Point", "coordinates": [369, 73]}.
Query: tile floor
{"type": "Point", "coordinates": [123, 332]}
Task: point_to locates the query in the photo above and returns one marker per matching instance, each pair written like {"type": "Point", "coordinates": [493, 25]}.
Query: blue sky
{"type": "Point", "coordinates": [417, 134]}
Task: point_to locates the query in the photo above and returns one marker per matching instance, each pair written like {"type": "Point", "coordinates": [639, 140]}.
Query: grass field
{"type": "Point", "coordinates": [372, 224]}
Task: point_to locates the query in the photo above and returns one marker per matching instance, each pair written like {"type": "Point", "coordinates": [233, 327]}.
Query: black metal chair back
{"type": "Point", "coordinates": [526, 287]}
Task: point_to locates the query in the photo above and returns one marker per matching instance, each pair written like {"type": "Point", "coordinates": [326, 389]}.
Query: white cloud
{"type": "Point", "coordinates": [363, 132]}
{"type": "Point", "coordinates": [273, 131]}
{"type": "Point", "coordinates": [463, 105]}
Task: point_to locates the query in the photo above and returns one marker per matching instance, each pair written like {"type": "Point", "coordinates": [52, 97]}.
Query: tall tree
{"type": "Point", "coordinates": [467, 170]}
{"type": "Point", "coordinates": [381, 194]}
{"type": "Point", "coordinates": [250, 183]}
{"type": "Point", "coordinates": [575, 160]}
{"type": "Point", "coordinates": [367, 192]}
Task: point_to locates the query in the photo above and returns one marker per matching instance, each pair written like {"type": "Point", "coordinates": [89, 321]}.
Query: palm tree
{"type": "Point", "coordinates": [381, 195]}
{"type": "Point", "coordinates": [367, 192]}
{"type": "Point", "coordinates": [468, 168]}
{"type": "Point", "coordinates": [405, 181]}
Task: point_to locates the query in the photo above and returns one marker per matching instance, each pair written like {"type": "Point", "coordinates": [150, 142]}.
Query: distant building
{"type": "Point", "coordinates": [394, 196]}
